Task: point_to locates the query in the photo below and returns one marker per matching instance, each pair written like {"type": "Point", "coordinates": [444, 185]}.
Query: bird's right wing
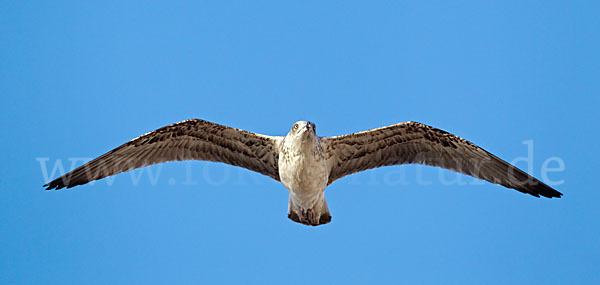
{"type": "Point", "coordinates": [188, 140]}
{"type": "Point", "coordinates": [415, 143]}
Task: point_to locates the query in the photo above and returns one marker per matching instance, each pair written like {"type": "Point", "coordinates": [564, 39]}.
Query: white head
{"type": "Point", "coordinates": [303, 130]}
{"type": "Point", "coordinates": [302, 135]}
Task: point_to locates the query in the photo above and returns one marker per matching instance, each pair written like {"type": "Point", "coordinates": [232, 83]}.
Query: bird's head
{"type": "Point", "coordinates": [303, 130]}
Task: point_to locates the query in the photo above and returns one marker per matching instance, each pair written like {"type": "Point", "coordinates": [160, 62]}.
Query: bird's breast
{"type": "Point", "coordinates": [302, 173]}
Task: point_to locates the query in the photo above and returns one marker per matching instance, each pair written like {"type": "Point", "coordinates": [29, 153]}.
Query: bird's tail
{"type": "Point", "coordinates": [317, 215]}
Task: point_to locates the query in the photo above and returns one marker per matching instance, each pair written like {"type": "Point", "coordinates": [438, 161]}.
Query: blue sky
{"type": "Point", "coordinates": [79, 78]}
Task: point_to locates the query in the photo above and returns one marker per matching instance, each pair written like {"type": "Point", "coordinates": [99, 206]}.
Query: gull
{"type": "Point", "coordinates": [304, 162]}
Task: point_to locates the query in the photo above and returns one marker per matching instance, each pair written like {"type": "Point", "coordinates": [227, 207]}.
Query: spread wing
{"type": "Point", "coordinates": [415, 143]}
{"type": "Point", "coordinates": [187, 140]}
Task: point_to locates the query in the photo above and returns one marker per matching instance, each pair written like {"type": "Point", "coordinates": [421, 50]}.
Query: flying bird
{"type": "Point", "coordinates": [304, 162]}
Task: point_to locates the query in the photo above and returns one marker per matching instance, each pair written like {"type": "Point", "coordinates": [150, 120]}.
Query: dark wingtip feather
{"type": "Point", "coordinates": [552, 194]}
{"type": "Point", "coordinates": [542, 189]}
{"type": "Point", "coordinates": [55, 184]}
{"type": "Point", "coordinates": [66, 181]}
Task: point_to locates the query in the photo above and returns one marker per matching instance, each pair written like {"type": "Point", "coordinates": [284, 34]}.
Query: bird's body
{"type": "Point", "coordinates": [304, 162]}
{"type": "Point", "coordinates": [304, 171]}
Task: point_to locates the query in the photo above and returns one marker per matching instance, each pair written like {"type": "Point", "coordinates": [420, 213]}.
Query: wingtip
{"type": "Point", "coordinates": [53, 185]}
{"type": "Point", "coordinates": [557, 195]}
{"type": "Point", "coordinates": [551, 194]}
{"type": "Point", "coordinates": [538, 189]}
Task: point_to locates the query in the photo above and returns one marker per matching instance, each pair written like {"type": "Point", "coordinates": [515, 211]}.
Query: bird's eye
{"type": "Point", "coordinates": [295, 127]}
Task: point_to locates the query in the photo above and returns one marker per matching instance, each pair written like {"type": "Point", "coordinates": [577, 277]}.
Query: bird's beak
{"type": "Point", "coordinates": [309, 128]}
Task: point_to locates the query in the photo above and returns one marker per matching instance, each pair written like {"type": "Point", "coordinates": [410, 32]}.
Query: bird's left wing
{"type": "Point", "coordinates": [187, 140]}
{"type": "Point", "coordinates": [411, 142]}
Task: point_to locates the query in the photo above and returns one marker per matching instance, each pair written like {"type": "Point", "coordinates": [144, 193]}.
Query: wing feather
{"type": "Point", "coordinates": [416, 143]}
{"type": "Point", "coordinates": [188, 140]}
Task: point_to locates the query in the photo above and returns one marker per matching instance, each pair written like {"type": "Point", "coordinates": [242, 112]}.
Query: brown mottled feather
{"type": "Point", "coordinates": [188, 140]}
{"type": "Point", "coordinates": [416, 143]}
